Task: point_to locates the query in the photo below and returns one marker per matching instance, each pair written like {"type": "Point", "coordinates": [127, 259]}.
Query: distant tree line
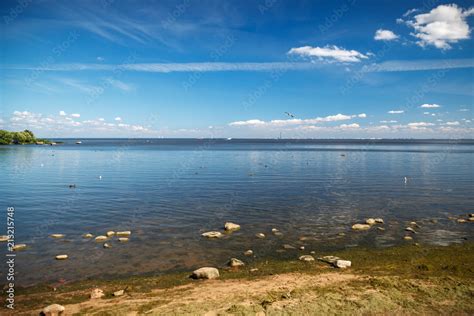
{"type": "Point", "coordinates": [20, 138]}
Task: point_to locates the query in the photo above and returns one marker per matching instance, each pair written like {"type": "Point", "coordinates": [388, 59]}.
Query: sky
{"type": "Point", "coordinates": [261, 69]}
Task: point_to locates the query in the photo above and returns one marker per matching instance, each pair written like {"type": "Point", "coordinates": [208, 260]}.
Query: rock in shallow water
{"type": "Point", "coordinates": [370, 221]}
{"type": "Point", "coordinates": [4, 238]}
{"type": "Point", "coordinates": [61, 257]}
{"type": "Point", "coordinates": [205, 273]}
{"type": "Point", "coordinates": [231, 226]}
{"type": "Point", "coordinates": [248, 252]}
{"type": "Point", "coordinates": [110, 233]}
{"type": "Point", "coordinates": [306, 258]}
{"type": "Point", "coordinates": [53, 310]}
{"type": "Point", "coordinates": [19, 247]}
{"type": "Point", "coordinates": [360, 227]}
{"type": "Point", "coordinates": [56, 235]}
{"type": "Point", "coordinates": [342, 264]}
{"type": "Point", "coordinates": [100, 238]}
{"type": "Point", "coordinates": [234, 262]}
{"type": "Point", "coordinates": [125, 233]}
{"type": "Point", "coordinates": [123, 239]}
{"type": "Point", "coordinates": [212, 234]}
{"type": "Point", "coordinates": [87, 235]}
{"type": "Point", "coordinates": [260, 235]}
{"type": "Point", "coordinates": [107, 245]}
{"type": "Point", "coordinates": [408, 238]}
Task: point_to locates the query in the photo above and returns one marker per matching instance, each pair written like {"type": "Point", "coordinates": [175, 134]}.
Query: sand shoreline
{"type": "Point", "coordinates": [406, 279]}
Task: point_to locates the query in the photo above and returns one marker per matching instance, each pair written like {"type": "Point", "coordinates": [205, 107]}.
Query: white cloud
{"type": "Point", "coordinates": [62, 113]}
{"type": "Point", "coordinates": [118, 118]}
{"type": "Point", "coordinates": [395, 112]}
{"type": "Point", "coordinates": [385, 35]}
{"type": "Point", "coordinates": [430, 106]}
{"type": "Point", "coordinates": [289, 122]}
{"type": "Point", "coordinates": [332, 53]}
{"type": "Point", "coordinates": [248, 122]}
{"type": "Point", "coordinates": [452, 123]}
{"type": "Point", "coordinates": [346, 126]}
{"type": "Point", "coordinates": [419, 124]}
{"type": "Point", "coordinates": [101, 119]}
{"type": "Point", "coordinates": [76, 115]}
{"type": "Point", "coordinates": [463, 110]}
{"type": "Point", "coordinates": [442, 26]}
{"type": "Point", "coordinates": [391, 121]}
{"type": "Point", "coordinates": [426, 113]}
{"type": "Point", "coordinates": [99, 58]}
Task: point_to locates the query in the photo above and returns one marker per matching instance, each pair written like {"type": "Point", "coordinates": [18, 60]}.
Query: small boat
{"type": "Point", "coordinates": [78, 142]}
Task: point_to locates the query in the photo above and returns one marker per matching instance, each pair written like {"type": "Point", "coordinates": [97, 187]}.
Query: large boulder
{"type": "Point", "coordinates": [342, 264]}
{"type": "Point", "coordinates": [205, 273]}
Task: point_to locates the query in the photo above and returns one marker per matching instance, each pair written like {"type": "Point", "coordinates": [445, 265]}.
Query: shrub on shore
{"type": "Point", "coordinates": [20, 138]}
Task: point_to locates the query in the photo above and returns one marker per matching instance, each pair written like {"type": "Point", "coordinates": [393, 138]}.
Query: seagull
{"type": "Point", "coordinates": [406, 180]}
{"type": "Point", "coordinates": [100, 177]}
{"type": "Point", "coordinates": [289, 114]}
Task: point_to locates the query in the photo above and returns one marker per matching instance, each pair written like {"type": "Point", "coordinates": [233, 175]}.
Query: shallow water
{"type": "Point", "coordinates": [167, 192]}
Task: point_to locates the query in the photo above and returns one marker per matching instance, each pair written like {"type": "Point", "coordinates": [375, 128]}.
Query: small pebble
{"type": "Point", "coordinates": [260, 235]}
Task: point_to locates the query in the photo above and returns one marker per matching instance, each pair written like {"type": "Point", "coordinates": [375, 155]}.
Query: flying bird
{"type": "Point", "coordinates": [289, 114]}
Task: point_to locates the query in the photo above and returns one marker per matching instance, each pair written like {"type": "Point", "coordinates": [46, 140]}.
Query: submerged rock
{"type": "Point", "coordinates": [254, 270]}
{"type": "Point", "coordinates": [100, 238]}
{"type": "Point", "coordinates": [57, 235]}
{"type": "Point", "coordinates": [360, 227]}
{"type": "Point", "coordinates": [53, 310]}
{"type": "Point", "coordinates": [409, 229]}
{"type": "Point", "coordinates": [288, 247]}
{"type": "Point", "coordinates": [97, 293]}
{"type": "Point", "coordinates": [461, 220]}
{"type": "Point", "coordinates": [234, 262]}
{"type": "Point", "coordinates": [342, 264]}
{"type": "Point", "coordinates": [306, 258]}
{"type": "Point", "coordinates": [379, 221]}
{"type": "Point", "coordinates": [231, 226]}
{"type": "Point", "coordinates": [205, 273]}
{"type": "Point", "coordinates": [123, 239]}
{"type": "Point", "coordinates": [88, 235]}
{"type": "Point", "coordinates": [4, 238]}
{"type": "Point", "coordinates": [61, 257]}
{"type": "Point", "coordinates": [471, 219]}
{"type": "Point", "coordinates": [212, 234]}
{"type": "Point", "coordinates": [110, 233]}
{"type": "Point", "coordinates": [125, 233]}
{"type": "Point", "coordinates": [274, 230]}
{"type": "Point", "coordinates": [260, 235]}
{"type": "Point", "coordinates": [381, 229]}
{"type": "Point", "coordinates": [301, 247]}
{"type": "Point", "coordinates": [408, 238]}
{"type": "Point", "coordinates": [248, 252]}
{"type": "Point", "coordinates": [107, 245]}
{"type": "Point", "coordinates": [19, 247]}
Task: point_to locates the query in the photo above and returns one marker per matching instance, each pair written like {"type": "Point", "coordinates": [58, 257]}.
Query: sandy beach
{"type": "Point", "coordinates": [411, 279]}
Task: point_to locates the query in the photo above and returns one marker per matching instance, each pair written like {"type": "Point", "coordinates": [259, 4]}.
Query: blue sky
{"type": "Point", "coordinates": [187, 68]}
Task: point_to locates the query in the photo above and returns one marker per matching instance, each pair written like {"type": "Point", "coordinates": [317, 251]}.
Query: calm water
{"type": "Point", "coordinates": [167, 192]}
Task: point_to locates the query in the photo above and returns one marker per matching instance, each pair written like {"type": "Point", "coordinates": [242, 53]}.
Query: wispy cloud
{"type": "Point", "coordinates": [430, 106]}
{"type": "Point", "coordinates": [395, 112]}
{"type": "Point", "coordinates": [388, 66]}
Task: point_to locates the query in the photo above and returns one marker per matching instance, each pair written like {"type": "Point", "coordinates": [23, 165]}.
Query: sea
{"type": "Point", "coordinates": [168, 192]}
